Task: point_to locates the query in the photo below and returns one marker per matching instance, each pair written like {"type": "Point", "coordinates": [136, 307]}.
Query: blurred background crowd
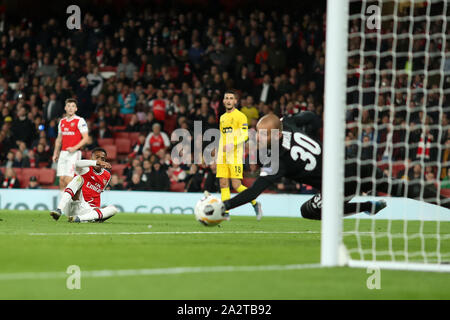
{"type": "Point", "coordinates": [147, 71]}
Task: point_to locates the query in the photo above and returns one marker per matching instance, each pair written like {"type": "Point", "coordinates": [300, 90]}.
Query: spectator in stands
{"type": "Point", "coordinates": [115, 183]}
{"type": "Point", "coordinates": [138, 148]}
{"type": "Point", "coordinates": [9, 160]}
{"type": "Point", "coordinates": [94, 77]}
{"type": "Point", "coordinates": [91, 143]}
{"type": "Point", "coordinates": [147, 169]}
{"type": "Point", "coordinates": [114, 118]}
{"type": "Point", "coordinates": [22, 128]}
{"type": "Point", "coordinates": [33, 161]}
{"type": "Point", "coordinates": [211, 182]}
{"type": "Point", "coordinates": [156, 140]}
{"type": "Point", "coordinates": [126, 67]}
{"type": "Point", "coordinates": [10, 180]}
{"type": "Point", "coordinates": [102, 131]}
{"type": "Point", "coordinates": [20, 161]}
{"type": "Point", "coordinates": [351, 148]}
{"type": "Point", "coordinates": [249, 109]}
{"type": "Point", "coordinates": [41, 154]}
{"type": "Point", "coordinates": [47, 69]}
{"type": "Point", "coordinates": [127, 100]}
{"type": "Point", "coordinates": [147, 126]}
{"type": "Point", "coordinates": [159, 180]}
{"type": "Point", "coordinates": [265, 92]}
{"type": "Point", "coordinates": [53, 108]}
{"type": "Point", "coordinates": [131, 168]}
{"type": "Point", "coordinates": [84, 97]}
{"type": "Point", "coordinates": [194, 179]}
{"type": "Point", "coordinates": [136, 184]}
{"type": "Point", "coordinates": [158, 106]}
{"type": "Point", "coordinates": [176, 173]}
{"type": "Point", "coordinates": [133, 125]}
{"type": "Point", "coordinates": [33, 183]}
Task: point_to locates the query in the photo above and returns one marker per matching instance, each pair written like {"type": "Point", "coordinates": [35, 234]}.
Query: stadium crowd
{"type": "Point", "coordinates": [138, 78]}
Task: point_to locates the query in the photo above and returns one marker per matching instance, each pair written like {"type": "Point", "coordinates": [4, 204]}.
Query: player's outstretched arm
{"type": "Point", "coordinates": [82, 166]}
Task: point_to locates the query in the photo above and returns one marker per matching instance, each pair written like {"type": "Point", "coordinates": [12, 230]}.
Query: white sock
{"type": "Point", "coordinates": [66, 197]}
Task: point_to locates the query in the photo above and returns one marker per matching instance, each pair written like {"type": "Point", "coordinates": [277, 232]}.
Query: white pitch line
{"type": "Point", "coordinates": [157, 271]}
{"type": "Point", "coordinates": [173, 233]}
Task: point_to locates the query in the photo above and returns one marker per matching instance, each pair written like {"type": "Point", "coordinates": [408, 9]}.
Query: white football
{"type": "Point", "coordinates": [209, 211]}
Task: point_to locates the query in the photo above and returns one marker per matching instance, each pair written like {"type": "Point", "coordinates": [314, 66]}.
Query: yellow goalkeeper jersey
{"type": "Point", "coordinates": [233, 129]}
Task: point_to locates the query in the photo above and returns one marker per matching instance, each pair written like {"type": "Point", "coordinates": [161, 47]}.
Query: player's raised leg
{"type": "Point", "coordinates": [70, 193]}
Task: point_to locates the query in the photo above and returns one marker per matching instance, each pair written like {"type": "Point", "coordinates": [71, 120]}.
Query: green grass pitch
{"type": "Point", "coordinates": [149, 256]}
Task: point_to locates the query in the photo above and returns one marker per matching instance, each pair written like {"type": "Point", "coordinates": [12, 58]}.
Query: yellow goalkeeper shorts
{"type": "Point", "coordinates": [230, 171]}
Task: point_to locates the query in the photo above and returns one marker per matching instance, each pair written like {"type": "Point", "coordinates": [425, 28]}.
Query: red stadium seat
{"type": "Point", "coordinates": [111, 151]}
{"type": "Point", "coordinates": [120, 134]}
{"type": "Point", "coordinates": [50, 187]}
{"type": "Point", "coordinates": [118, 169]}
{"type": "Point", "coordinates": [47, 176]}
{"type": "Point", "coordinates": [134, 137]}
{"type": "Point", "coordinates": [248, 181]}
{"type": "Point", "coordinates": [170, 124]}
{"type": "Point", "coordinates": [105, 142]}
{"type": "Point", "coordinates": [396, 168]}
{"type": "Point", "coordinates": [127, 118]}
{"type": "Point", "coordinates": [445, 192]}
{"type": "Point", "coordinates": [123, 145]}
{"type": "Point", "coordinates": [177, 187]}
{"type": "Point", "coordinates": [43, 164]}
{"type": "Point", "coordinates": [27, 173]}
{"type": "Point", "coordinates": [108, 68]}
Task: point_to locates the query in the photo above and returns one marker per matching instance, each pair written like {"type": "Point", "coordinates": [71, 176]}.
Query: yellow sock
{"type": "Point", "coordinates": [243, 188]}
{"type": "Point", "coordinates": [225, 194]}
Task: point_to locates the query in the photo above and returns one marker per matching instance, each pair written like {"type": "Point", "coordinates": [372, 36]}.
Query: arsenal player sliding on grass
{"type": "Point", "coordinates": [81, 198]}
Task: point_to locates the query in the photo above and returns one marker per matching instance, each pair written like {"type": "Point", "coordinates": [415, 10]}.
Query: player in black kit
{"type": "Point", "coordinates": [300, 159]}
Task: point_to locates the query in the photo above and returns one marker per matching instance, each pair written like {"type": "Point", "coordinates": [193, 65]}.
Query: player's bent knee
{"type": "Point", "coordinates": [110, 210]}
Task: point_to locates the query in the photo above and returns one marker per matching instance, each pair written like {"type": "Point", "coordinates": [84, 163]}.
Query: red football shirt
{"type": "Point", "coordinates": [71, 130]}
{"type": "Point", "coordinates": [94, 184]}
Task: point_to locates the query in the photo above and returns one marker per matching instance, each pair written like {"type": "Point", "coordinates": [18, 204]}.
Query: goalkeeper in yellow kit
{"type": "Point", "coordinates": [233, 134]}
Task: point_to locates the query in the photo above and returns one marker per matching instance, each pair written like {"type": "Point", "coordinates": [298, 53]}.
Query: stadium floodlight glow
{"type": "Point", "coordinates": [387, 94]}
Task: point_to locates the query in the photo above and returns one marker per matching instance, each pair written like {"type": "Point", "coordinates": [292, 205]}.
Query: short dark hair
{"type": "Point", "coordinates": [233, 92]}
{"type": "Point", "coordinates": [71, 100]}
{"type": "Point", "coordinates": [99, 149]}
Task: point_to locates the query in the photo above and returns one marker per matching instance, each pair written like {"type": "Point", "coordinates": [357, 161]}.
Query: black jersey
{"type": "Point", "coordinates": [299, 159]}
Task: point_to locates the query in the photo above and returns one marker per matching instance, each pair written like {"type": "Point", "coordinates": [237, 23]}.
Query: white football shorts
{"type": "Point", "coordinates": [66, 163]}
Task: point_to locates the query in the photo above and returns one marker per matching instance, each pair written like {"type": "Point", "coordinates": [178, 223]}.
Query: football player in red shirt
{"type": "Point", "coordinates": [72, 136]}
{"type": "Point", "coordinates": [81, 198]}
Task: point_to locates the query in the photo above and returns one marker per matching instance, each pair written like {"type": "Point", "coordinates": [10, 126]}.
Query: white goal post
{"type": "Point", "coordinates": [386, 103]}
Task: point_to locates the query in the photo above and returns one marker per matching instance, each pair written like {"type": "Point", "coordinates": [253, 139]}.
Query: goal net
{"type": "Point", "coordinates": [397, 120]}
